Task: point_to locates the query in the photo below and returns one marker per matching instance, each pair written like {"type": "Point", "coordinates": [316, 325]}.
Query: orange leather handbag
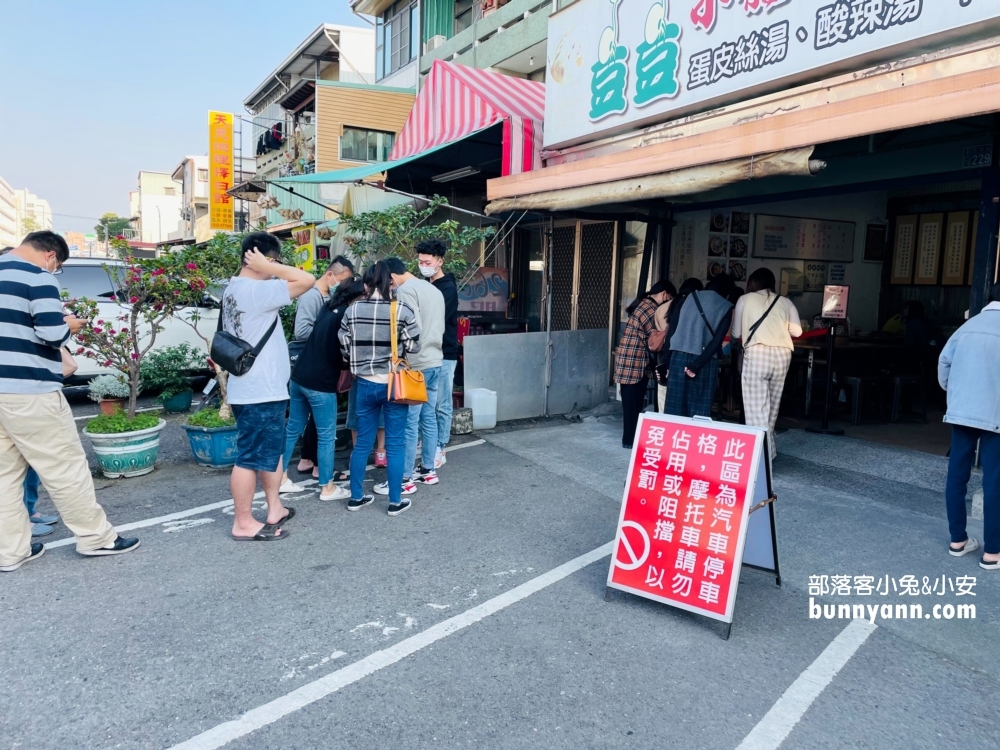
{"type": "Point", "coordinates": [406, 386]}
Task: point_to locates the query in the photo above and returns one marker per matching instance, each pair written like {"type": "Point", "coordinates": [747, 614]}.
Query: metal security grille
{"type": "Point", "coordinates": [597, 252]}
{"type": "Point", "coordinates": [563, 252]}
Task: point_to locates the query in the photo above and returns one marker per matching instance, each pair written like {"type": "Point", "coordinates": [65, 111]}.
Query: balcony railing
{"type": "Point", "coordinates": [485, 43]}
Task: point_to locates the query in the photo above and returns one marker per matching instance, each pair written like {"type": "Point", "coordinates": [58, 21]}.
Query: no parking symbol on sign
{"type": "Point", "coordinates": [682, 533]}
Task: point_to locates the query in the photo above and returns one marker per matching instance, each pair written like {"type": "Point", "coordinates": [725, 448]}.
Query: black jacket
{"type": "Point", "coordinates": [450, 347]}
{"type": "Point", "coordinates": [318, 366]}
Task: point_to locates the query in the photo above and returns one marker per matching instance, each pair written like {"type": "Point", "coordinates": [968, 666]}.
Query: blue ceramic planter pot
{"type": "Point", "coordinates": [213, 446]}
{"type": "Point", "coordinates": [178, 403]}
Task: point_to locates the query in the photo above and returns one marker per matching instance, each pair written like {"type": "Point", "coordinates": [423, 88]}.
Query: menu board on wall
{"type": "Point", "coordinates": [815, 276]}
{"type": "Point", "coordinates": [955, 244]}
{"type": "Point", "coordinates": [728, 244]}
{"type": "Point", "coordinates": [972, 252]}
{"type": "Point", "coordinates": [795, 238]}
{"type": "Point", "coordinates": [904, 250]}
{"type": "Point", "coordinates": [928, 249]}
{"type": "Point", "coordinates": [682, 251]}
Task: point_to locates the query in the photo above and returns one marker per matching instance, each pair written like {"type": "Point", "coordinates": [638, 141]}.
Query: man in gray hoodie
{"type": "Point", "coordinates": [428, 304]}
{"type": "Point", "coordinates": [967, 370]}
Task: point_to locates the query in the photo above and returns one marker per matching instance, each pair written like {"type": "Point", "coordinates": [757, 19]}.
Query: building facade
{"type": "Point", "coordinates": [8, 215]}
{"type": "Point", "coordinates": [33, 213]}
{"type": "Point", "coordinates": [158, 201]}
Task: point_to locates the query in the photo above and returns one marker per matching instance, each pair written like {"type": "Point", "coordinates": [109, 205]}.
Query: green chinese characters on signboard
{"type": "Point", "coordinates": [609, 83]}
{"type": "Point", "coordinates": [658, 58]}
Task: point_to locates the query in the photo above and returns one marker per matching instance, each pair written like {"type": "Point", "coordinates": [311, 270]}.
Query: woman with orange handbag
{"type": "Point", "coordinates": [374, 330]}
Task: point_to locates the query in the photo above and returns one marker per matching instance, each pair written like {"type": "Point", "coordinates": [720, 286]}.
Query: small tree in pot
{"type": "Point", "coordinates": [152, 294]}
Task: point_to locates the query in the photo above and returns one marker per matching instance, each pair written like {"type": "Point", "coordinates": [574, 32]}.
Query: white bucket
{"type": "Point", "coordinates": [483, 403]}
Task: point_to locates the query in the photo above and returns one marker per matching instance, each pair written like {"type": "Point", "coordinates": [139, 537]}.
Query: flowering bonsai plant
{"type": "Point", "coordinates": [152, 291]}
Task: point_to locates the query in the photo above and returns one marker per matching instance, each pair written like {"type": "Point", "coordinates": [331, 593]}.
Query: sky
{"type": "Point", "coordinates": [92, 93]}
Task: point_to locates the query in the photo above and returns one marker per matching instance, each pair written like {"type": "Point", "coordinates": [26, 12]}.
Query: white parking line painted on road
{"type": "Point", "coordinates": [173, 516]}
{"type": "Point", "coordinates": [777, 723]}
{"type": "Point", "coordinates": [310, 693]}
{"type": "Point", "coordinates": [216, 506]}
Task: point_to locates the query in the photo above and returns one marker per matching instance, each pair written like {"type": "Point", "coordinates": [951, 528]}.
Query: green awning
{"type": "Point", "coordinates": [356, 174]}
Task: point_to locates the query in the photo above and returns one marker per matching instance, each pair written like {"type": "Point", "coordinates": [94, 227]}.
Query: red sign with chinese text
{"type": "Point", "coordinates": [684, 517]}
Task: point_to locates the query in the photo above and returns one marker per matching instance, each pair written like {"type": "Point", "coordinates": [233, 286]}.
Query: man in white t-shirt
{"type": "Point", "coordinates": [251, 306]}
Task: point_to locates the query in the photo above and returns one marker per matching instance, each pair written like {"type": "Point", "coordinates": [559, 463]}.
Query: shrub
{"type": "Point", "coordinates": [109, 386]}
{"type": "Point", "coordinates": [167, 370]}
{"type": "Point", "coordinates": [209, 418]}
{"type": "Point", "coordinates": [119, 422]}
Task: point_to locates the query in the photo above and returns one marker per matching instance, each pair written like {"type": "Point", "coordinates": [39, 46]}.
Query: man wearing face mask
{"type": "Point", "coordinates": [430, 255]}
{"type": "Point", "coordinates": [36, 424]}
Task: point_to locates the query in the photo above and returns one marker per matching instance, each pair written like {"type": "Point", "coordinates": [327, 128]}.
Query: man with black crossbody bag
{"type": "Point", "coordinates": [255, 353]}
{"type": "Point", "coordinates": [766, 323]}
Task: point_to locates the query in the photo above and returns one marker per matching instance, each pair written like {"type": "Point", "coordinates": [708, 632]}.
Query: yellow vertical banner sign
{"type": "Point", "coordinates": [305, 247]}
{"type": "Point", "coordinates": [220, 170]}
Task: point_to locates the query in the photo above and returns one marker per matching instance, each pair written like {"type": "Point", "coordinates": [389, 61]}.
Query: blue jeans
{"type": "Point", "coordinates": [371, 402]}
{"type": "Point", "coordinates": [324, 411]}
{"type": "Point", "coordinates": [446, 385]}
{"type": "Point", "coordinates": [31, 490]}
{"type": "Point", "coordinates": [963, 455]}
{"type": "Point", "coordinates": [352, 412]}
{"type": "Point", "coordinates": [422, 421]}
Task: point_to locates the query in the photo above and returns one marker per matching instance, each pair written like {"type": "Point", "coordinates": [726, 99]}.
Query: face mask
{"type": "Point", "coordinates": [428, 271]}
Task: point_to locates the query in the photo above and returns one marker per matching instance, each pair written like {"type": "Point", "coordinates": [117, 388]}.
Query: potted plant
{"type": "Point", "coordinates": [167, 370]}
{"type": "Point", "coordinates": [127, 444]}
{"type": "Point", "coordinates": [110, 392]}
{"type": "Point", "coordinates": [212, 438]}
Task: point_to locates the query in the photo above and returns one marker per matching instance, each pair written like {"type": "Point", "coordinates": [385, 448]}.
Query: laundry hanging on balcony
{"type": "Point", "coordinates": [456, 101]}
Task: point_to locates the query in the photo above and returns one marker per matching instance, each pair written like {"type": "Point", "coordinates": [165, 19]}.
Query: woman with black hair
{"type": "Point", "coordinates": [365, 340]}
{"type": "Point", "coordinates": [633, 366]}
{"type": "Point", "coordinates": [313, 388]}
{"type": "Point", "coordinates": [698, 323]}
{"type": "Point", "coordinates": [765, 322]}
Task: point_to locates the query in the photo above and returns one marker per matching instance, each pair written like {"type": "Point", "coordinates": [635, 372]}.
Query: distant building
{"type": "Point", "coordinates": [192, 174]}
{"type": "Point", "coordinates": [33, 213]}
{"type": "Point", "coordinates": [156, 206]}
{"type": "Point", "coordinates": [83, 245]}
{"type": "Point", "coordinates": [8, 215]}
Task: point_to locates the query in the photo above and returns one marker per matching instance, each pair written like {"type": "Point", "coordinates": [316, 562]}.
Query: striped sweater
{"type": "Point", "coordinates": [32, 328]}
{"type": "Point", "coordinates": [365, 336]}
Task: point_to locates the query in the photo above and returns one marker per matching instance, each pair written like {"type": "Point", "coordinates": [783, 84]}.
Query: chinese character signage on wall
{"type": "Point", "coordinates": [615, 65]}
{"type": "Point", "coordinates": [796, 238]}
{"type": "Point", "coordinates": [685, 516]}
{"type": "Point", "coordinates": [220, 170]}
{"type": "Point", "coordinates": [487, 291]}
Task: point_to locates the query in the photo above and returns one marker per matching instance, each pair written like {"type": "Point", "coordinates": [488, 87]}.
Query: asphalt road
{"type": "Point", "coordinates": [478, 619]}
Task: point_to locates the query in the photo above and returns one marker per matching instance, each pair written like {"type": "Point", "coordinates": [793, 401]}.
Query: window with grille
{"type": "Point", "coordinates": [357, 144]}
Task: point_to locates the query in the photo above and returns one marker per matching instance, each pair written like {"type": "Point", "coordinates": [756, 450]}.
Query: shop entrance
{"type": "Point", "coordinates": [584, 262]}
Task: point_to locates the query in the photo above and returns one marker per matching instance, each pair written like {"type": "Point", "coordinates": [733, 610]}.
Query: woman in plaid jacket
{"type": "Point", "coordinates": [633, 365]}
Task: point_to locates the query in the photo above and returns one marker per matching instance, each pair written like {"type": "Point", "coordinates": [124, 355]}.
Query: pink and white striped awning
{"type": "Point", "coordinates": [456, 101]}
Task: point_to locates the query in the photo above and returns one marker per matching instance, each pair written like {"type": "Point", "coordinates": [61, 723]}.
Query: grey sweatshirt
{"type": "Point", "coordinates": [428, 303]}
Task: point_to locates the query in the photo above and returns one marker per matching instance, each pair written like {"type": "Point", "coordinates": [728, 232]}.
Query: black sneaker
{"type": "Point", "coordinates": [37, 550]}
{"type": "Point", "coordinates": [120, 547]}
{"type": "Point", "coordinates": [353, 504]}
{"type": "Point", "coordinates": [395, 510]}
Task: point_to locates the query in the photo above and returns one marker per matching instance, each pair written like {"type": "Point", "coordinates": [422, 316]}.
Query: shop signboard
{"type": "Point", "coordinates": [619, 65]}
{"type": "Point", "coordinates": [220, 171]}
{"type": "Point", "coordinates": [305, 247]}
{"type": "Point", "coordinates": [685, 527]}
{"type": "Point", "coordinates": [486, 291]}
{"type": "Point", "coordinates": [794, 238]}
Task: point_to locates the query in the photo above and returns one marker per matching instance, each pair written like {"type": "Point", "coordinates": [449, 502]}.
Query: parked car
{"type": "Point", "coordinates": [85, 277]}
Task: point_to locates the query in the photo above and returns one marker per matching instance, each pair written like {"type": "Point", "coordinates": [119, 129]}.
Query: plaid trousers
{"type": "Point", "coordinates": [764, 370]}
{"type": "Point", "coordinates": [690, 397]}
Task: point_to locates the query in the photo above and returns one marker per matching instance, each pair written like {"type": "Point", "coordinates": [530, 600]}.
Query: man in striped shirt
{"type": "Point", "coordinates": [36, 424]}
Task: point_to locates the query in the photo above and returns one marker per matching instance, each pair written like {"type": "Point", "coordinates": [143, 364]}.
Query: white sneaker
{"type": "Point", "coordinates": [288, 487]}
{"type": "Point", "coordinates": [338, 493]}
{"type": "Point", "coordinates": [440, 458]}
{"type": "Point", "coordinates": [971, 545]}
{"type": "Point", "coordinates": [409, 487]}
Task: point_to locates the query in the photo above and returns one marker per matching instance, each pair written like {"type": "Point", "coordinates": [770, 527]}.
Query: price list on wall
{"type": "Point", "coordinates": [796, 238]}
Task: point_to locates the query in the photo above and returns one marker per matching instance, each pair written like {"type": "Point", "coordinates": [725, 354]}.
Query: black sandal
{"type": "Point", "coordinates": [267, 534]}
{"type": "Point", "coordinates": [341, 476]}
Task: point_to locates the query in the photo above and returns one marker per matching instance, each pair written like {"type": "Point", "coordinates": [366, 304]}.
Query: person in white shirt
{"type": "Point", "coordinates": [251, 306]}
{"type": "Point", "coordinates": [765, 323]}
